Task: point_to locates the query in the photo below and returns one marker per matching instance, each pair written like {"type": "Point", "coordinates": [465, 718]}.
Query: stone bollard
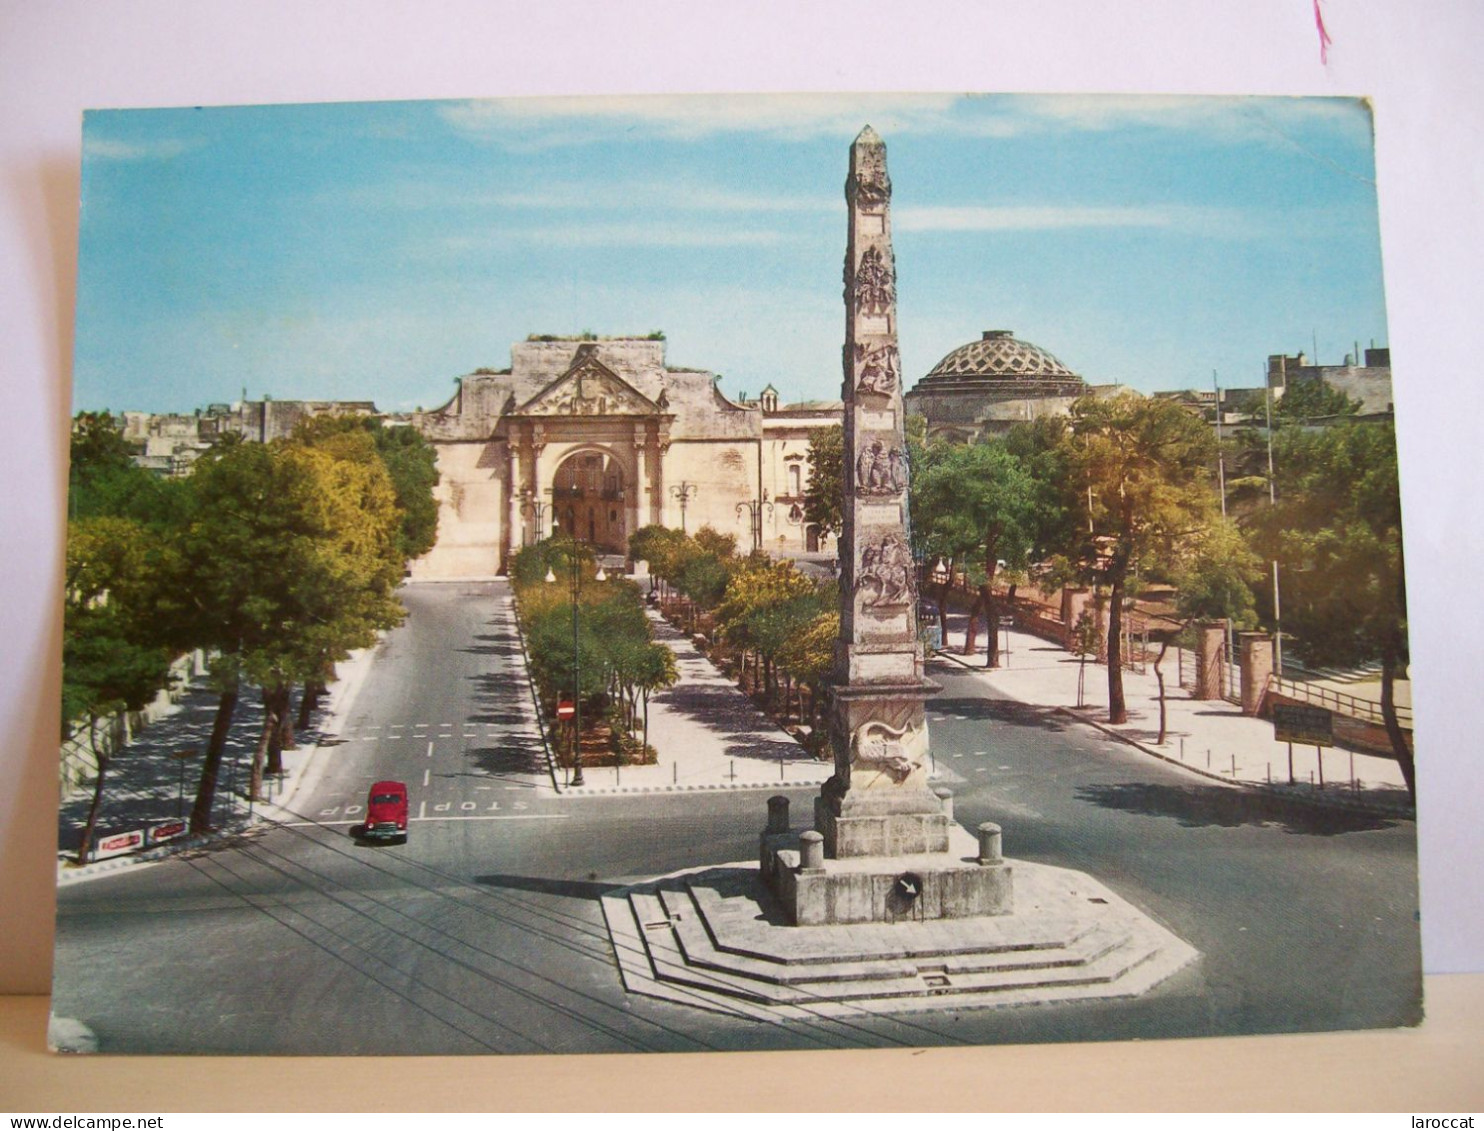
{"type": "Point", "coordinates": [989, 843]}
{"type": "Point", "coordinates": [945, 798]}
{"type": "Point", "coordinates": [778, 814]}
{"type": "Point", "coordinates": [811, 851]}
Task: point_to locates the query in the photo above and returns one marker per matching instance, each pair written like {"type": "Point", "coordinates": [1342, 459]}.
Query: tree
{"type": "Point", "coordinates": [1306, 400]}
{"type": "Point", "coordinates": [654, 670]}
{"type": "Point", "coordinates": [809, 656]}
{"type": "Point", "coordinates": [767, 603]}
{"type": "Point", "coordinates": [825, 495]}
{"type": "Point", "coordinates": [979, 498]}
{"type": "Point", "coordinates": [661, 547]}
{"type": "Point", "coordinates": [287, 562]}
{"type": "Point", "coordinates": [411, 464]}
{"type": "Point", "coordinates": [109, 664]}
{"type": "Point", "coordinates": [104, 481]}
{"type": "Point", "coordinates": [1336, 533]}
{"type": "Point", "coordinates": [1213, 573]}
{"type": "Point", "coordinates": [1145, 464]}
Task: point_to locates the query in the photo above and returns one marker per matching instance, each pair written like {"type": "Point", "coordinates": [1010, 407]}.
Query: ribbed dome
{"type": "Point", "coordinates": [998, 354]}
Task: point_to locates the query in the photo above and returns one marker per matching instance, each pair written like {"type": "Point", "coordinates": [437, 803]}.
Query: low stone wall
{"type": "Point", "coordinates": [1360, 735]}
{"type": "Point", "coordinates": [78, 765]}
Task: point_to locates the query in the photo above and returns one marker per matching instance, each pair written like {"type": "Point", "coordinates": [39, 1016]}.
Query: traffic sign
{"type": "Point", "coordinates": [566, 709]}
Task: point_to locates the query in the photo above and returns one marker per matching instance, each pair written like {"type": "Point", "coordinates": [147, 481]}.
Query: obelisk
{"type": "Point", "coordinates": [878, 802]}
{"type": "Point", "coordinates": [884, 846]}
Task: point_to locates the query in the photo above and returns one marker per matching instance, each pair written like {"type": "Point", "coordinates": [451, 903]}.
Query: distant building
{"type": "Point", "coordinates": [987, 386]}
{"type": "Point", "coordinates": [1370, 384]}
{"type": "Point", "coordinates": [596, 437]}
{"type": "Point", "coordinates": [170, 443]}
{"type": "Point", "coordinates": [599, 437]}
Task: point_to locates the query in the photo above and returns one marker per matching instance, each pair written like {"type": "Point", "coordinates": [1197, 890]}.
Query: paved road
{"type": "Point", "coordinates": [483, 932]}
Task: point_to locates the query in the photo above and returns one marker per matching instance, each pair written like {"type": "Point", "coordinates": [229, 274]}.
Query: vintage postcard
{"type": "Point", "coordinates": [523, 596]}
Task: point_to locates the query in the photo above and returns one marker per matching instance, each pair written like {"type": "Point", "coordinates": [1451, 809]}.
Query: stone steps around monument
{"type": "Point", "coordinates": [733, 926]}
{"type": "Point", "coordinates": [905, 963]}
{"type": "Point", "coordinates": [677, 956]}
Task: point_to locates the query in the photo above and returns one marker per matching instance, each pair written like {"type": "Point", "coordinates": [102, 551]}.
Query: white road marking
{"type": "Point", "coordinates": [422, 809]}
{"type": "Point", "coordinates": [430, 750]}
{"type": "Point", "coordinates": [426, 774]}
{"type": "Point", "coordinates": [511, 817]}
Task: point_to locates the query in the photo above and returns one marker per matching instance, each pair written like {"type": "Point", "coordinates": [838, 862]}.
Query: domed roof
{"type": "Point", "coordinates": [999, 354]}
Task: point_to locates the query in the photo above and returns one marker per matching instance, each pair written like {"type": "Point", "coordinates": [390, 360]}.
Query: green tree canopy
{"type": "Point", "coordinates": [978, 500]}
{"type": "Point", "coordinates": [1307, 400]}
{"type": "Point", "coordinates": [825, 493]}
{"type": "Point", "coordinates": [410, 462]}
{"type": "Point", "coordinates": [1336, 534]}
{"type": "Point", "coordinates": [1145, 466]}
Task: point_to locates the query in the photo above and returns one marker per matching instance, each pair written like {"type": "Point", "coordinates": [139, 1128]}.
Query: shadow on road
{"type": "Point", "coordinates": [1001, 711]}
{"type": "Point", "coordinates": [517, 759]}
{"type": "Point", "coordinates": [574, 889]}
{"type": "Point", "coordinates": [502, 644]}
{"type": "Point", "coordinates": [1196, 806]}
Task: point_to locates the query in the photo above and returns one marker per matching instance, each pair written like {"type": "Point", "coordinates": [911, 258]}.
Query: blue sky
{"type": "Point", "coordinates": [377, 251]}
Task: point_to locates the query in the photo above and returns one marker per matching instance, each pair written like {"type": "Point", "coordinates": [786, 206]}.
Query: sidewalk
{"type": "Point", "coordinates": [147, 785]}
{"type": "Point", "coordinates": [1211, 738]}
{"type": "Point", "coordinates": [709, 736]}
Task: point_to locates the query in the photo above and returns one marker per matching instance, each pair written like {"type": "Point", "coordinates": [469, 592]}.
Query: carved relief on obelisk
{"type": "Point", "coordinates": [884, 844]}
{"type": "Point", "coordinates": [878, 732]}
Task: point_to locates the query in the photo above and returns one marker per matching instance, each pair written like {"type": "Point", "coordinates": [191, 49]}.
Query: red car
{"type": "Point", "coordinates": [386, 812]}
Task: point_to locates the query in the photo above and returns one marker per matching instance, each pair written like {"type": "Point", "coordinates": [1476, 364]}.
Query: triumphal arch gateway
{"type": "Point", "coordinates": [598, 437]}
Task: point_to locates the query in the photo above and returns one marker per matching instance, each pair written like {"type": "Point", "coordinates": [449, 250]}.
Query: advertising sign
{"type": "Point", "coordinates": [1307, 726]}
{"type": "Point", "coordinates": [118, 844]}
{"type": "Point", "coordinates": [159, 834]}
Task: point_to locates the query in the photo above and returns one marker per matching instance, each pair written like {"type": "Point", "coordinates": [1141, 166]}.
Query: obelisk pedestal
{"type": "Point", "coordinates": [887, 846]}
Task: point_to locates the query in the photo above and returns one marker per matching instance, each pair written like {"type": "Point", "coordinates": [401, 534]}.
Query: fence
{"type": "Point", "coordinates": [1230, 678]}
{"type": "Point", "coordinates": [1368, 710]}
{"type": "Point", "coordinates": [78, 763]}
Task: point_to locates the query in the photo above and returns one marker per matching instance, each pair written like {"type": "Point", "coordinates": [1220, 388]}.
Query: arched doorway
{"type": "Point", "coordinates": [589, 495]}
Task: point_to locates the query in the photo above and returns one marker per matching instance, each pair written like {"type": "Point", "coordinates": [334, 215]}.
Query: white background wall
{"type": "Point", "coordinates": [1417, 60]}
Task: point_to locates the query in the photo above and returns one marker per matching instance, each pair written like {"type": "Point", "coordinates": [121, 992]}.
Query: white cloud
{"type": "Point", "coordinates": [157, 149]}
{"type": "Point", "coordinates": [538, 123]}
{"type": "Point", "coordinates": [570, 196]}
{"type": "Point", "coordinates": [545, 122]}
{"type": "Point", "coordinates": [1028, 218]}
{"type": "Point", "coordinates": [1218, 118]}
{"type": "Point", "coordinates": [614, 235]}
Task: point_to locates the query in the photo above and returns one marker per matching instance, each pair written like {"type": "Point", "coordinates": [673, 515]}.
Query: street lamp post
{"type": "Point", "coordinates": [755, 508]}
{"type": "Point", "coordinates": [533, 507]}
{"type": "Point", "coordinates": [575, 589]}
{"type": "Point", "coordinates": [685, 492]}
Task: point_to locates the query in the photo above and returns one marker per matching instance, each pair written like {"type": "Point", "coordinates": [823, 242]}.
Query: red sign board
{"type": "Point", "coordinates": [168, 831]}
{"type": "Point", "coordinates": [566, 710]}
{"type": "Point", "coordinates": [118, 844]}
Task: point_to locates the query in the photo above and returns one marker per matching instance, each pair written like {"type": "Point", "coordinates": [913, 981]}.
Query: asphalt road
{"type": "Point", "coordinates": [483, 932]}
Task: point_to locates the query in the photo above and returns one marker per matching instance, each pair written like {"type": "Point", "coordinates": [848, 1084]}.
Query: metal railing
{"type": "Point", "coordinates": [1351, 706]}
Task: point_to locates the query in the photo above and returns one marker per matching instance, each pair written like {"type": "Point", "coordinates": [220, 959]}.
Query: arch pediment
{"type": "Point", "coordinates": [589, 388]}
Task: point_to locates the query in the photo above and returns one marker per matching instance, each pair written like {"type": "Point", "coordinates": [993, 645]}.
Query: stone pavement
{"type": "Point", "coordinates": [1210, 738]}
{"type": "Point", "coordinates": [709, 736]}
{"type": "Point", "coordinates": [147, 786]}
